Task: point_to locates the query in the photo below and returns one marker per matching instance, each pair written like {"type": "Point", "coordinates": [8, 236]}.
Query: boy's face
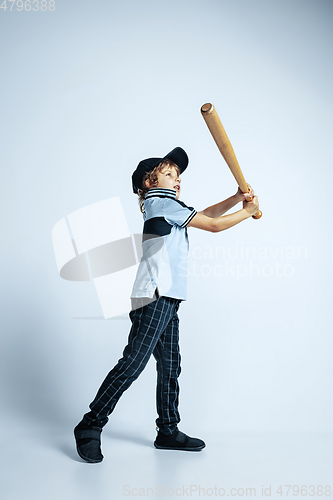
{"type": "Point", "coordinates": [168, 178]}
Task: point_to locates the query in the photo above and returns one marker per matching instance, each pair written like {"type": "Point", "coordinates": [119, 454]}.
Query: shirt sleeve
{"type": "Point", "coordinates": [177, 213]}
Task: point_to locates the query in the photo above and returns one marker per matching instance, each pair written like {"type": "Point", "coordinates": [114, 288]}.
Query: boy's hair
{"type": "Point", "coordinates": [152, 176]}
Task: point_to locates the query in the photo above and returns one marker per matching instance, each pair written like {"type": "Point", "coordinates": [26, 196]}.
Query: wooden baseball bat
{"type": "Point", "coordinates": [220, 137]}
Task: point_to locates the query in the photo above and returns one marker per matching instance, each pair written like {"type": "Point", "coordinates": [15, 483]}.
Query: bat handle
{"type": "Point", "coordinates": [257, 215]}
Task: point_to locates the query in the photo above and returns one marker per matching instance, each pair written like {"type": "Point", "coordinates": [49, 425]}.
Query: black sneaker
{"type": "Point", "coordinates": [178, 441]}
{"type": "Point", "coordinates": [88, 442]}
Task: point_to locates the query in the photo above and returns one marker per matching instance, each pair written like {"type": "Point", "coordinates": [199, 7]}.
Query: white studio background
{"type": "Point", "coordinates": [89, 90]}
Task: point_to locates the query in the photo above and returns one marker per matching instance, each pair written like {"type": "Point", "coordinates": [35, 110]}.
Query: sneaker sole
{"type": "Point", "coordinates": [199, 448]}
{"type": "Point", "coordinates": [90, 460]}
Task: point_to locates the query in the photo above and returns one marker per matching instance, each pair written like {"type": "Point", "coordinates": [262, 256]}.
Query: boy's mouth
{"type": "Point", "coordinates": [177, 187]}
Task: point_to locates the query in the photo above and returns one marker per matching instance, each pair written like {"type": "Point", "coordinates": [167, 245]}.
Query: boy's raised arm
{"type": "Point", "coordinates": [220, 208]}
{"type": "Point", "coordinates": [217, 224]}
{"type": "Point", "coordinates": [225, 205]}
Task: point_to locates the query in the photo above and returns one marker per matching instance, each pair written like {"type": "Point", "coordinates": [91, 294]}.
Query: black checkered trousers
{"type": "Point", "coordinates": [155, 330]}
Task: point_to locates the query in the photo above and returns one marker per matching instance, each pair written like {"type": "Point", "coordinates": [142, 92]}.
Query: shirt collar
{"type": "Point", "coordinates": [161, 193]}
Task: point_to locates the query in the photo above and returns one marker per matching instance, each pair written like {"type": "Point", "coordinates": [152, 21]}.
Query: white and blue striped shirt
{"type": "Point", "coordinates": [165, 245]}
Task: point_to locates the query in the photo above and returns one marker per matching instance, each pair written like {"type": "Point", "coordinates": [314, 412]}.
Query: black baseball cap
{"type": "Point", "coordinates": [177, 156]}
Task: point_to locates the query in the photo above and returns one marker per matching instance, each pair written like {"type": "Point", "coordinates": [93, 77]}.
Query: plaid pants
{"type": "Point", "coordinates": [155, 330]}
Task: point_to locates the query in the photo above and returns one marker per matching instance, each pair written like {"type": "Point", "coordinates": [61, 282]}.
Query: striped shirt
{"type": "Point", "coordinates": [165, 246]}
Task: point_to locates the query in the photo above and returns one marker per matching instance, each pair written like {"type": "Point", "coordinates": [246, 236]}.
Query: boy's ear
{"type": "Point", "coordinates": [147, 183]}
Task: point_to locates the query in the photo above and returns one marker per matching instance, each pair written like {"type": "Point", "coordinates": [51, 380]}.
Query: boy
{"type": "Point", "coordinates": [159, 287]}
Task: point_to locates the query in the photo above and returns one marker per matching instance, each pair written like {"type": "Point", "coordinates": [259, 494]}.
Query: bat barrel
{"type": "Point", "coordinates": [215, 126]}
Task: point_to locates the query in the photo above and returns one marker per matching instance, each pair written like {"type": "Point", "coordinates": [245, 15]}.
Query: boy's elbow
{"type": "Point", "coordinates": [214, 228]}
